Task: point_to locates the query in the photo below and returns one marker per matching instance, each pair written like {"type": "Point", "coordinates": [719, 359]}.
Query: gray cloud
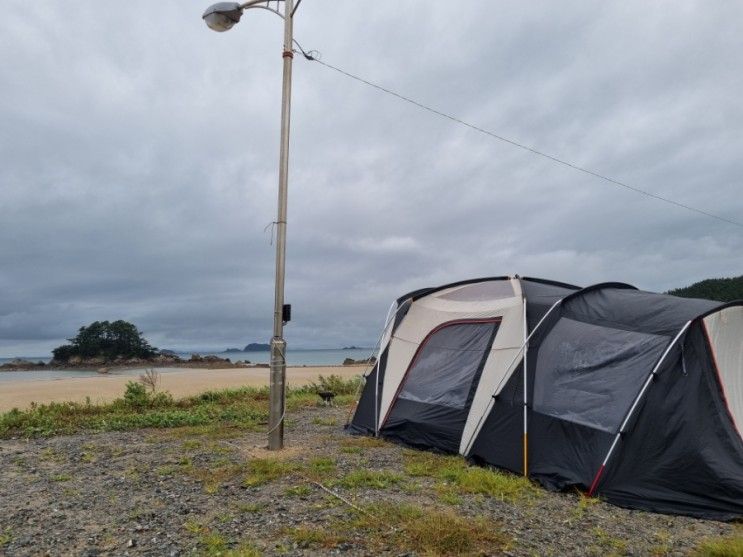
{"type": "Point", "coordinates": [138, 160]}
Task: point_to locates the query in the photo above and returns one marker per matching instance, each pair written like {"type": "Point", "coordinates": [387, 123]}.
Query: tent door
{"type": "Point", "coordinates": [435, 394]}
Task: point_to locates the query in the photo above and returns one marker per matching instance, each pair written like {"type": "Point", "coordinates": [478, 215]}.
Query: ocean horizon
{"type": "Point", "coordinates": [294, 357]}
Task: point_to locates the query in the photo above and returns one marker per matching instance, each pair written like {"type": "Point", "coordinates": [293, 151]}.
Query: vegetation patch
{"type": "Point", "coordinates": [251, 508]}
{"type": "Point", "coordinates": [214, 477]}
{"type": "Point", "coordinates": [107, 341]}
{"type": "Point", "coordinates": [298, 491]}
{"type": "Point", "coordinates": [720, 289]}
{"type": "Point", "coordinates": [212, 543]}
{"type": "Point", "coordinates": [455, 474]}
{"type": "Point", "coordinates": [324, 421]}
{"type": "Point", "coordinates": [228, 413]}
{"type": "Point", "coordinates": [315, 537]}
{"type": "Point", "coordinates": [607, 544]}
{"type": "Point", "coordinates": [728, 546]}
{"type": "Point", "coordinates": [337, 384]}
{"type": "Point", "coordinates": [5, 538]}
{"type": "Point", "coordinates": [319, 469]}
{"type": "Point", "coordinates": [584, 504]}
{"type": "Point", "coordinates": [264, 470]}
{"type": "Point", "coordinates": [408, 528]}
{"type": "Point", "coordinates": [370, 479]}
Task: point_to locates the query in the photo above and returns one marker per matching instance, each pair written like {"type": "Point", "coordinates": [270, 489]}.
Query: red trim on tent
{"type": "Point", "coordinates": [595, 482]}
{"type": "Point", "coordinates": [420, 347]}
{"type": "Point", "coordinates": [719, 377]}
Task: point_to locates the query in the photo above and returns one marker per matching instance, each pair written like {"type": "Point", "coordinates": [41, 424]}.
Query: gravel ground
{"type": "Point", "coordinates": [176, 492]}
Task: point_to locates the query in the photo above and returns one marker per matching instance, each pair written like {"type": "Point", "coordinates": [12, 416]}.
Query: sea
{"type": "Point", "coordinates": [315, 357]}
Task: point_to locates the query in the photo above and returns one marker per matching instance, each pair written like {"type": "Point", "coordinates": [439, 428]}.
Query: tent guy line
{"type": "Point", "coordinates": [311, 56]}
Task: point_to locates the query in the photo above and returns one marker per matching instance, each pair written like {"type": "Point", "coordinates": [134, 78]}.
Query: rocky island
{"type": "Point", "coordinates": [105, 345]}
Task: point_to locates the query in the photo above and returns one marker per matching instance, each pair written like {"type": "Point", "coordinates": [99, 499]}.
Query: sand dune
{"type": "Point", "coordinates": [105, 388]}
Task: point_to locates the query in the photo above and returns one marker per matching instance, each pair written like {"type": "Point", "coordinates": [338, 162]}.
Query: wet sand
{"type": "Point", "coordinates": [105, 388]}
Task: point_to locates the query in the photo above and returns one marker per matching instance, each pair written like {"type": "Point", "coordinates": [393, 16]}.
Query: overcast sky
{"type": "Point", "coordinates": [139, 150]}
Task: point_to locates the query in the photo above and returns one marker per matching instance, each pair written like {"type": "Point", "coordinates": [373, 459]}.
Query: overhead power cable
{"type": "Point", "coordinates": [311, 55]}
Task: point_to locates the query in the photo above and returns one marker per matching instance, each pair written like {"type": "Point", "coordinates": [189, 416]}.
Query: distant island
{"type": "Point", "coordinates": [352, 347]}
{"type": "Point", "coordinates": [232, 350]}
{"type": "Point", "coordinates": [257, 347]}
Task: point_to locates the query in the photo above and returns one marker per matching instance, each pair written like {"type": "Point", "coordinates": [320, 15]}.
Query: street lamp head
{"type": "Point", "coordinates": [222, 15]}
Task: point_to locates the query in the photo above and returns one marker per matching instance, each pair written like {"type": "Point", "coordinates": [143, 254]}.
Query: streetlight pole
{"type": "Point", "coordinates": [277, 394]}
{"type": "Point", "coordinates": [221, 17]}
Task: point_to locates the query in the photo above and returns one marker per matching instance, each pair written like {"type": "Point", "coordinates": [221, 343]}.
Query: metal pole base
{"type": "Point", "coordinates": [277, 395]}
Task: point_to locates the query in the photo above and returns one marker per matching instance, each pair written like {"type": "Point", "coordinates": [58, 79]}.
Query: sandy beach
{"type": "Point", "coordinates": [105, 388]}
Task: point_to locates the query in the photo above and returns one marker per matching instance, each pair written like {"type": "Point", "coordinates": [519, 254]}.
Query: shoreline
{"type": "Point", "coordinates": [204, 363]}
{"type": "Point", "coordinates": [103, 388]}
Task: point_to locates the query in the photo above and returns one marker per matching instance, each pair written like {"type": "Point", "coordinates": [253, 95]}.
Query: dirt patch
{"type": "Point", "coordinates": [175, 492]}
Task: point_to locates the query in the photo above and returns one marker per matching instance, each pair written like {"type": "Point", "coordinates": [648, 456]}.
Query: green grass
{"type": "Point", "coordinates": [370, 479]}
{"type": "Point", "coordinates": [264, 470]}
{"type": "Point", "coordinates": [314, 537]}
{"type": "Point", "coordinates": [320, 469]}
{"type": "Point", "coordinates": [608, 545]}
{"type": "Point", "coordinates": [728, 546]}
{"type": "Point", "coordinates": [405, 528]}
{"type": "Point", "coordinates": [324, 421]}
{"type": "Point", "coordinates": [214, 477]}
{"type": "Point", "coordinates": [5, 538]}
{"type": "Point", "coordinates": [225, 412]}
{"type": "Point", "coordinates": [455, 476]}
{"type": "Point", "coordinates": [298, 491]}
{"type": "Point", "coordinates": [584, 504]}
{"type": "Point", "coordinates": [213, 544]}
{"type": "Point", "coordinates": [251, 508]}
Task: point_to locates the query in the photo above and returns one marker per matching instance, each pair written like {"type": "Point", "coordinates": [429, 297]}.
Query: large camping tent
{"type": "Point", "coordinates": [633, 396]}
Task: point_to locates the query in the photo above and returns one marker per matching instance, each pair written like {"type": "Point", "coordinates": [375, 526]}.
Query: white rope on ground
{"type": "Point", "coordinates": [347, 502]}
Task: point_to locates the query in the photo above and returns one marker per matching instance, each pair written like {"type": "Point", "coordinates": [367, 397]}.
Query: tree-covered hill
{"type": "Point", "coordinates": [103, 339]}
{"type": "Point", "coordinates": [722, 289]}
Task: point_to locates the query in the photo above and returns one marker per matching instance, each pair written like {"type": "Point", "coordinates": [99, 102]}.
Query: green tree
{"type": "Point", "coordinates": [720, 289]}
{"type": "Point", "coordinates": [108, 340]}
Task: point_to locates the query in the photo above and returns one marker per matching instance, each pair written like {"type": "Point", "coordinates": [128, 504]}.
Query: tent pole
{"type": "Point", "coordinates": [513, 361]}
{"type": "Point", "coordinates": [387, 322]}
{"type": "Point", "coordinates": [526, 418]}
{"type": "Point", "coordinates": [595, 482]}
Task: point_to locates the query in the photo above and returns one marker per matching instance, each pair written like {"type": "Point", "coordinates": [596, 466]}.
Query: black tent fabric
{"type": "Point", "coordinates": [624, 399]}
{"type": "Point", "coordinates": [694, 462]}
{"type": "Point", "coordinates": [587, 366]}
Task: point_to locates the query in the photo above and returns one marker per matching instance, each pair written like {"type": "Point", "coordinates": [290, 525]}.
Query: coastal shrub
{"type": "Point", "coordinates": [137, 396]}
{"type": "Point", "coordinates": [337, 385]}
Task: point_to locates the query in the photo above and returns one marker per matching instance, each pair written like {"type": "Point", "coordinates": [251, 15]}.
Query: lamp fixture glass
{"type": "Point", "coordinates": [222, 15]}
